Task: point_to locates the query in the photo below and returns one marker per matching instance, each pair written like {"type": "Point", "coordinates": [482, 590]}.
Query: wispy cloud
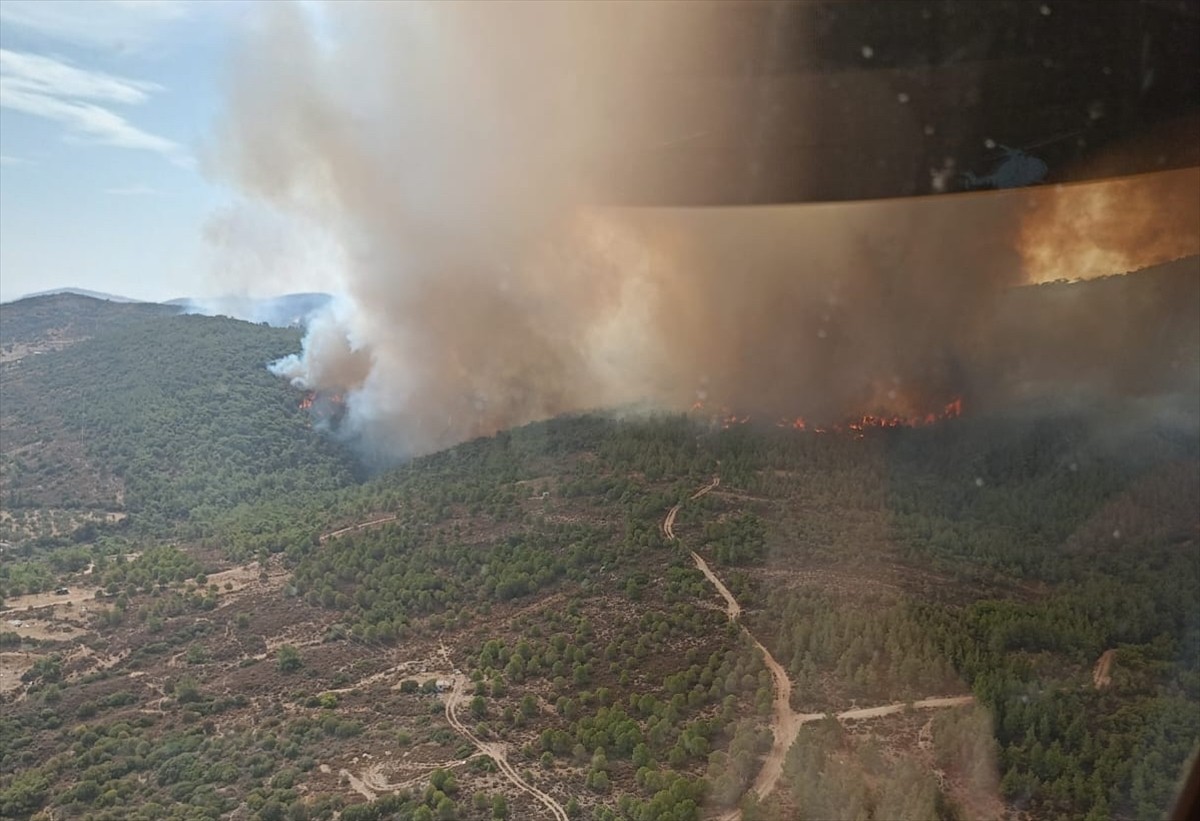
{"type": "Point", "coordinates": [8, 159]}
{"type": "Point", "coordinates": [48, 88]}
{"type": "Point", "coordinates": [108, 24]}
{"type": "Point", "coordinates": [135, 190]}
{"type": "Point", "coordinates": [44, 75]}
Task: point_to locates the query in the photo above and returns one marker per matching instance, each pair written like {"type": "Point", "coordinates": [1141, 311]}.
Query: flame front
{"type": "Point", "coordinates": [855, 426]}
{"type": "Point", "coordinates": [323, 407]}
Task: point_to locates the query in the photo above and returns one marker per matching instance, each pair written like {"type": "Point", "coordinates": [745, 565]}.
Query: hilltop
{"type": "Point", "coordinates": [101, 295]}
{"type": "Point", "coordinates": [40, 324]}
{"type": "Point", "coordinates": [171, 418]}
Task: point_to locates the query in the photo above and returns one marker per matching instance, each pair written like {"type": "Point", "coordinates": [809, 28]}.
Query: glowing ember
{"type": "Point", "coordinates": [323, 404]}
{"type": "Point", "coordinates": [856, 427]}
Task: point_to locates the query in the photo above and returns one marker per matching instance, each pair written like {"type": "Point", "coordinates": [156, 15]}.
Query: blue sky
{"type": "Point", "coordinates": [107, 109]}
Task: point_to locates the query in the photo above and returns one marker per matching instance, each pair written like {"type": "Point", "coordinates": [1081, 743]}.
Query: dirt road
{"type": "Point", "coordinates": [668, 527]}
{"type": "Point", "coordinates": [497, 751]}
{"type": "Point", "coordinates": [361, 525]}
{"type": "Point", "coordinates": [891, 709]}
{"type": "Point", "coordinates": [32, 601]}
{"type": "Point", "coordinates": [785, 722]}
{"type": "Point", "coordinates": [732, 608]}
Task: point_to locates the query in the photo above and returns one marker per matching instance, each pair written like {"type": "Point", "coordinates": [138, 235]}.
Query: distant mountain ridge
{"type": "Point", "coordinates": [286, 310]}
{"type": "Point", "coordinates": [81, 292]}
{"type": "Point", "coordinates": [50, 321]}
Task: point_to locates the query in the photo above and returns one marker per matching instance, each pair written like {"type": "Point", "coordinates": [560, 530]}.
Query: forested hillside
{"type": "Point", "coordinates": [68, 317]}
{"type": "Point", "coordinates": [155, 428]}
{"type": "Point", "coordinates": [994, 616]}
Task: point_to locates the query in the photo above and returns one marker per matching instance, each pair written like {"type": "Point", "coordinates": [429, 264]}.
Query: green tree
{"type": "Point", "coordinates": [187, 691]}
{"type": "Point", "coordinates": [289, 658]}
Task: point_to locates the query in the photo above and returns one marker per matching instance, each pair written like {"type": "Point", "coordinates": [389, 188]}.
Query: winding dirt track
{"type": "Point", "coordinates": [785, 722]}
{"type": "Point", "coordinates": [668, 526]}
{"type": "Point", "coordinates": [453, 699]}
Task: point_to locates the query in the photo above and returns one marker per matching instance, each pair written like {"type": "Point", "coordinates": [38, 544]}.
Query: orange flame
{"type": "Point", "coordinates": [310, 398]}
{"type": "Point", "coordinates": [857, 427]}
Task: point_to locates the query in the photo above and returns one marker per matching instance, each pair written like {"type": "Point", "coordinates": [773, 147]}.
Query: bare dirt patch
{"type": "Point", "coordinates": [1102, 672]}
{"type": "Point", "coordinates": [12, 667]}
{"type": "Point", "coordinates": [52, 521]}
{"type": "Point", "coordinates": [16, 351]}
{"type": "Point", "coordinates": [43, 629]}
{"type": "Point", "coordinates": [251, 575]}
{"type": "Point", "coordinates": [34, 601]}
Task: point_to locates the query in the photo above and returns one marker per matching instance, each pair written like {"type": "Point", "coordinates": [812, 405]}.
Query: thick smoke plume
{"type": "Point", "coordinates": [1083, 231]}
{"type": "Point", "coordinates": [455, 153]}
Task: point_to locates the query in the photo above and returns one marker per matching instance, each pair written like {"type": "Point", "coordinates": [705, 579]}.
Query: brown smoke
{"type": "Point", "coordinates": [454, 151]}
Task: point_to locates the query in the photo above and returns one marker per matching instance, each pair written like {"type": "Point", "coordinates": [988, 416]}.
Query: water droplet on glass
{"type": "Point", "coordinates": [1116, 534]}
{"type": "Point", "coordinates": [902, 97]}
{"type": "Point", "coordinates": [978, 481]}
{"type": "Point", "coordinates": [929, 130]}
{"type": "Point", "coordinates": [821, 334]}
{"type": "Point", "coordinates": [1045, 10]}
{"type": "Point", "coordinates": [989, 143]}
{"type": "Point", "coordinates": [868, 52]}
